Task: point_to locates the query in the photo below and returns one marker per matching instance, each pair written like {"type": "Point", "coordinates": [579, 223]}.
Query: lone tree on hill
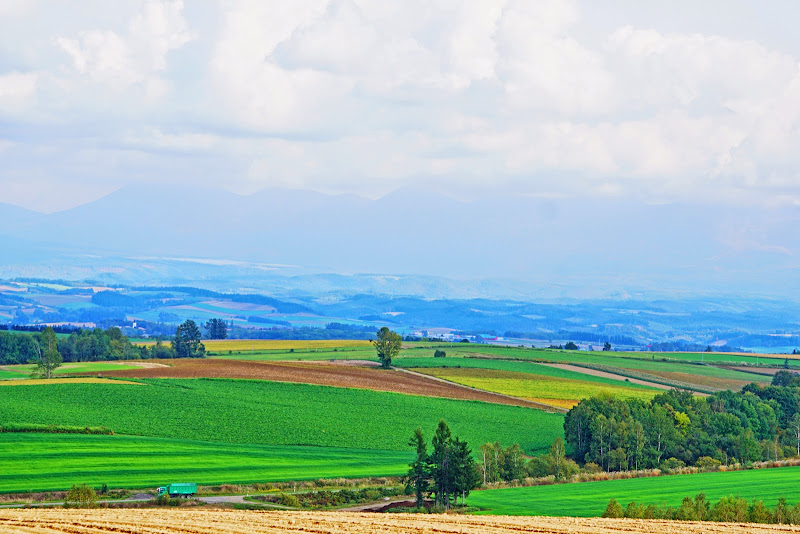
{"type": "Point", "coordinates": [48, 357]}
{"type": "Point", "coordinates": [216, 329]}
{"type": "Point", "coordinates": [387, 346]}
{"type": "Point", "coordinates": [187, 341]}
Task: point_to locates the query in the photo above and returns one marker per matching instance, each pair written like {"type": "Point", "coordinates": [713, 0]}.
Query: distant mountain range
{"type": "Point", "coordinates": [497, 246]}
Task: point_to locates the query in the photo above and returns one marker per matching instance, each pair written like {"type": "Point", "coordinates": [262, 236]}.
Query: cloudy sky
{"type": "Point", "coordinates": [691, 100]}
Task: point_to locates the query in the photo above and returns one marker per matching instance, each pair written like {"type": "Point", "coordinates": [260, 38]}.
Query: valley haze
{"type": "Point", "coordinates": [547, 268]}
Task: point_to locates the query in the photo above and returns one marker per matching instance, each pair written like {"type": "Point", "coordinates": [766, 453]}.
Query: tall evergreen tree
{"type": "Point", "coordinates": [187, 341]}
{"type": "Point", "coordinates": [465, 473]}
{"type": "Point", "coordinates": [441, 459]}
{"type": "Point", "coordinates": [216, 329]}
{"type": "Point", "coordinates": [418, 477]}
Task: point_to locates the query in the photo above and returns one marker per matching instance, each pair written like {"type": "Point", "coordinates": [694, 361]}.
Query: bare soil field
{"type": "Point", "coordinates": [324, 374]}
{"type": "Point", "coordinates": [208, 521]}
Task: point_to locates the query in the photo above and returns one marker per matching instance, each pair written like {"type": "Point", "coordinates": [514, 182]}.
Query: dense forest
{"type": "Point", "coordinates": [677, 428]}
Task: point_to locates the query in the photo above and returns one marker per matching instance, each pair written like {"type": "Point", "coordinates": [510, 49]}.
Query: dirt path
{"type": "Point", "coordinates": [143, 365]}
{"type": "Point", "coordinates": [604, 374]}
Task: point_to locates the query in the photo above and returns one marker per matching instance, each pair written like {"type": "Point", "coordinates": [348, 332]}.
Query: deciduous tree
{"type": "Point", "coordinates": [387, 345]}
{"type": "Point", "coordinates": [48, 356]}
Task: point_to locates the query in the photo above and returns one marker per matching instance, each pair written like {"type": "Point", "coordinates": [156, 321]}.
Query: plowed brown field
{"type": "Point", "coordinates": [324, 374]}
{"type": "Point", "coordinates": [208, 522]}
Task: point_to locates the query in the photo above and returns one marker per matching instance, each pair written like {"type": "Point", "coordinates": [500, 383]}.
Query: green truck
{"type": "Point", "coordinates": [182, 489]}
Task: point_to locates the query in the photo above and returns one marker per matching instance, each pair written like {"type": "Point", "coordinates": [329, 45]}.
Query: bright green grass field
{"type": "Point", "coordinates": [589, 499]}
{"type": "Point", "coordinates": [4, 374]}
{"type": "Point", "coordinates": [75, 367]}
{"type": "Point", "coordinates": [45, 462]}
{"type": "Point", "coordinates": [274, 413]}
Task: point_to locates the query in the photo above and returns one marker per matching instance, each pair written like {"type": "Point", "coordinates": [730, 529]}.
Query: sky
{"type": "Point", "coordinates": [658, 102]}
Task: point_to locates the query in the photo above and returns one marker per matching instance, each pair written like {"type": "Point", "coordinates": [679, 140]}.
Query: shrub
{"type": "Point", "coordinates": [686, 511]}
{"type": "Point", "coordinates": [708, 463]}
{"type": "Point", "coordinates": [730, 510]}
{"type": "Point", "coordinates": [759, 513]}
{"type": "Point", "coordinates": [671, 464]}
{"type": "Point", "coordinates": [591, 467]}
{"type": "Point", "coordinates": [781, 515]}
{"type": "Point", "coordinates": [81, 496]}
{"type": "Point", "coordinates": [439, 354]}
{"type": "Point", "coordinates": [634, 511]}
{"type": "Point", "coordinates": [614, 509]}
{"type": "Point", "coordinates": [652, 512]}
{"type": "Point", "coordinates": [288, 499]}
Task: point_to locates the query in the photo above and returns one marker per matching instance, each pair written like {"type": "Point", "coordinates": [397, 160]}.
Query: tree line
{"type": "Point", "coordinates": [676, 428]}
{"type": "Point", "coordinates": [97, 344]}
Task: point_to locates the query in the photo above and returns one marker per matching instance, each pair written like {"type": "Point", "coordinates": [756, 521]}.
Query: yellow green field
{"type": "Point", "coordinates": [555, 391]}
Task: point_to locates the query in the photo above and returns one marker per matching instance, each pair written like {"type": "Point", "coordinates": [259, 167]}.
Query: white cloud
{"type": "Point", "coordinates": [119, 61]}
{"type": "Point", "coordinates": [367, 95]}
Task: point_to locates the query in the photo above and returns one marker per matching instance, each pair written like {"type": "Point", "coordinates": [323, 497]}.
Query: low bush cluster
{"type": "Point", "coordinates": [331, 499]}
{"type": "Point", "coordinates": [729, 509]}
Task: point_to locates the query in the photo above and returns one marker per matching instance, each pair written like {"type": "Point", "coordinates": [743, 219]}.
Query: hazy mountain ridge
{"type": "Point", "coordinates": [546, 247]}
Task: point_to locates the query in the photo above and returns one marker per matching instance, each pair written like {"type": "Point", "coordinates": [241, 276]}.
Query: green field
{"type": "Point", "coordinates": [7, 374]}
{"type": "Point", "coordinates": [217, 430]}
{"type": "Point", "coordinates": [273, 413]}
{"type": "Point", "coordinates": [44, 462]}
{"type": "Point", "coordinates": [588, 499]}
{"type": "Point", "coordinates": [67, 368]}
